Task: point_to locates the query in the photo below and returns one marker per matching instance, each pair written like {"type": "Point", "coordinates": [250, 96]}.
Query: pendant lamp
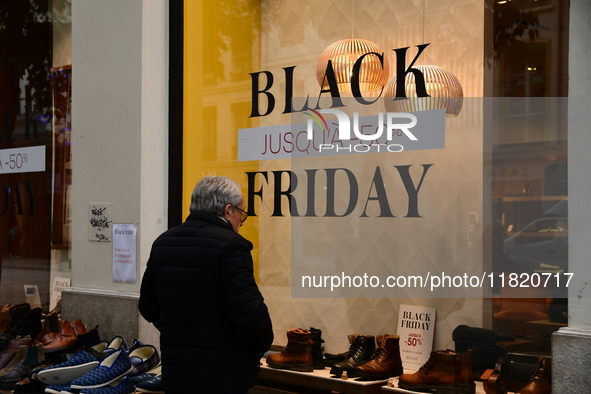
{"type": "Point", "coordinates": [443, 87]}
{"type": "Point", "coordinates": [343, 54]}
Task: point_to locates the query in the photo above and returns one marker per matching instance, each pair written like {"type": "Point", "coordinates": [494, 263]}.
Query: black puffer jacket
{"type": "Point", "coordinates": [199, 291]}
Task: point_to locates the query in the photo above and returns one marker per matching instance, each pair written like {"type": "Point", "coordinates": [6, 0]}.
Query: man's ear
{"type": "Point", "coordinates": [227, 209]}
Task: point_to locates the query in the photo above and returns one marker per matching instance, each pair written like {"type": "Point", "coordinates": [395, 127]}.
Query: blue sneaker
{"type": "Point", "coordinates": [63, 373]}
{"type": "Point", "coordinates": [113, 367]}
{"type": "Point", "coordinates": [119, 386]}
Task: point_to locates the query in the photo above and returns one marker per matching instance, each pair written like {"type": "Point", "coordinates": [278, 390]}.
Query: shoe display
{"type": "Point", "coordinates": [120, 386]}
{"type": "Point", "coordinates": [113, 367]}
{"type": "Point", "coordinates": [66, 372]}
{"type": "Point", "coordinates": [441, 373]}
{"type": "Point", "coordinates": [361, 348]}
{"type": "Point", "coordinates": [297, 355]}
{"type": "Point", "coordinates": [143, 358]}
{"type": "Point", "coordinates": [541, 381]}
{"type": "Point", "coordinates": [317, 341]}
{"type": "Point", "coordinates": [153, 385]}
{"type": "Point", "coordinates": [384, 363]}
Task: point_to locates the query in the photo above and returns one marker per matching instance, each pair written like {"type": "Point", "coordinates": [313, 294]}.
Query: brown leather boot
{"type": "Point", "coordinates": [440, 373]}
{"type": "Point", "coordinates": [541, 381]}
{"type": "Point", "coordinates": [63, 340]}
{"type": "Point", "coordinates": [385, 362]}
{"type": "Point", "coordinates": [297, 355]}
{"type": "Point", "coordinates": [466, 375]}
{"type": "Point", "coordinates": [361, 348]}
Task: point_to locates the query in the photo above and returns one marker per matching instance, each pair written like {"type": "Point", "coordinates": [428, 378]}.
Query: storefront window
{"type": "Point", "coordinates": [35, 155]}
{"type": "Point", "coordinates": [488, 197]}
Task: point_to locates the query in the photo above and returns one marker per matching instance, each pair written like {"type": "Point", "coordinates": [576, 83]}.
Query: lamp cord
{"type": "Point", "coordinates": [424, 21]}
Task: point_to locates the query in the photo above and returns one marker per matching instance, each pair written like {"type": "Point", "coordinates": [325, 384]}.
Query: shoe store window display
{"type": "Point", "coordinates": [200, 292]}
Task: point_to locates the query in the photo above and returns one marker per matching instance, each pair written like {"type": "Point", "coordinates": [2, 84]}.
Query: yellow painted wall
{"type": "Point", "coordinates": [221, 46]}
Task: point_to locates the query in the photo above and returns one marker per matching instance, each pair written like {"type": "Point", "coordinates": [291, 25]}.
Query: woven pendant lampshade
{"type": "Point", "coordinates": [443, 87]}
{"type": "Point", "coordinates": [343, 55]}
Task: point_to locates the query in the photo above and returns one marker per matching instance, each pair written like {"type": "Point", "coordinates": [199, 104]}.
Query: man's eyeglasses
{"type": "Point", "coordinates": [243, 214]}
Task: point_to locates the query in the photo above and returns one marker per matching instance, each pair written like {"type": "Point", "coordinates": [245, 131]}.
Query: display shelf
{"type": "Point", "coordinates": [532, 198]}
{"type": "Point", "coordinates": [320, 380]}
{"type": "Point", "coordinates": [549, 234]}
{"type": "Point", "coordinates": [396, 389]}
{"type": "Point", "coordinates": [544, 326]}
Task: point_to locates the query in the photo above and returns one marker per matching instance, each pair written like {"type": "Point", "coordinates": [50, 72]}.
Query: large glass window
{"type": "Point", "coordinates": [35, 155]}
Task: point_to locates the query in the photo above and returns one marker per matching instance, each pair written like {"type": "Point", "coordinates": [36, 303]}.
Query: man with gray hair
{"type": "Point", "coordinates": [199, 291]}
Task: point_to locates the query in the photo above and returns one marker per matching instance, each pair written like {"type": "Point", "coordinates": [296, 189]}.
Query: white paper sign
{"type": "Point", "coordinates": [99, 222]}
{"type": "Point", "coordinates": [124, 252]}
{"type": "Point", "coordinates": [58, 285]}
{"type": "Point", "coordinates": [32, 296]}
{"type": "Point", "coordinates": [416, 326]}
{"type": "Point", "coordinates": [28, 159]}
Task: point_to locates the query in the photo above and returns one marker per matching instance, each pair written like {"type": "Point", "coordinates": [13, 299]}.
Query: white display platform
{"type": "Point", "coordinates": [322, 379]}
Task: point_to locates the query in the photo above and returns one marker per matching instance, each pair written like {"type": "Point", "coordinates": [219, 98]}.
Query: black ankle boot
{"type": "Point", "coordinates": [317, 341]}
{"type": "Point", "coordinates": [360, 351]}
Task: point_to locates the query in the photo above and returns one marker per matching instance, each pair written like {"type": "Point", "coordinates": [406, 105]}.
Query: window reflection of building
{"type": "Point", "coordinates": [529, 154]}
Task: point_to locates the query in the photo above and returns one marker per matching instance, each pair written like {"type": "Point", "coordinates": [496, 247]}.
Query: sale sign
{"type": "Point", "coordinates": [416, 326]}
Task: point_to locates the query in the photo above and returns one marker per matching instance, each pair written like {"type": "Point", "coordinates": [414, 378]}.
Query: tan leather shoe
{"type": "Point", "coordinates": [63, 340]}
{"type": "Point", "coordinates": [385, 362]}
{"type": "Point", "coordinates": [441, 373]}
{"type": "Point", "coordinates": [297, 355]}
